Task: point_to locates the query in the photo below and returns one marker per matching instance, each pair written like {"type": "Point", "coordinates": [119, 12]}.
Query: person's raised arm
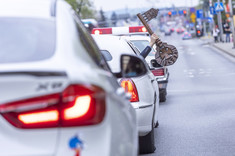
{"type": "Point", "coordinates": [147, 50]}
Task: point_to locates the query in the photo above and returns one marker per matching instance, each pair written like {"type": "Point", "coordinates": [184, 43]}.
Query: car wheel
{"type": "Point", "coordinates": [156, 125]}
{"type": "Point", "coordinates": [163, 95]}
{"type": "Point", "coordinates": [146, 143]}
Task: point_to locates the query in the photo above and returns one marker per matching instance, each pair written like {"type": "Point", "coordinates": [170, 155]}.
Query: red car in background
{"type": "Point", "coordinates": [180, 30]}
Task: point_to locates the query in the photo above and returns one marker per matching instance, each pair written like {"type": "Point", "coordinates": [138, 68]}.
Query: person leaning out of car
{"type": "Point", "coordinates": [147, 50]}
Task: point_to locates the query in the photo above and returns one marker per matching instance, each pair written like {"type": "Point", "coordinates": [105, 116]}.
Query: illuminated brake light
{"type": "Point", "coordinates": [77, 105]}
{"type": "Point", "coordinates": [80, 108]}
{"type": "Point", "coordinates": [158, 72]}
{"type": "Point", "coordinates": [39, 117]}
{"type": "Point", "coordinates": [130, 87]}
{"type": "Point", "coordinates": [96, 32]}
{"type": "Point", "coordinates": [100, 31]}
{"type": "Point", "coordinates": [144, 29]}
{"type": "Point", "coordinates": [135, 29]}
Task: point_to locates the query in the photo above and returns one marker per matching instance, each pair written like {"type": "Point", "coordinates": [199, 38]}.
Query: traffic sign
{"type": "Point", "coordinates": [219, 6]}
{"type": "Point", "coordinates": [207, 19]}
{"type": "Point", "coordinates": [193, 17]}
{"type": "Point", "coordinates": [181, 12]}
{"type": "Point", "coordinates": [192, 10]}
{"type": "Point", "coordinates": [199, 13]}
{"type": "Point", "coordinates": [212, 10]}
{"type": "Point", "coordinates": [174, 12]}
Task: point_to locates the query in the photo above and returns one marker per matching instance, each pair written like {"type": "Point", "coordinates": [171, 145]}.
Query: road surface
{"type": "Point", "coordinates": [198, 118]}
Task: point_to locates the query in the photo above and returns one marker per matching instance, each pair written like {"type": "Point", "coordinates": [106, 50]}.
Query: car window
{"type": "Point", "coordinates": [26, 39]}
{"type": "Point", "coordinates": [107, 55]}
{"type": "Point", "coordinates": [89, 44]}
{"type": "Point", "coordinates": [141, 45]}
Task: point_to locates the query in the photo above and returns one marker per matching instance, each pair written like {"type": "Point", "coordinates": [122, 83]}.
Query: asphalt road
{"type": "Point", "coordinates": [198, 118]}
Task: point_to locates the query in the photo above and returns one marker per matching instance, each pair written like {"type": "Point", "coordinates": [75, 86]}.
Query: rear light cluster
{"type": "Point", "coordinates": [118, 30]}
{"type": "Point", "coordinates": [137, 29]}
{"type": "Point", "coordinates": [100, 31]}
{"type": "Point", "coordinates": [158, 72]}
{"type": "Point", "coordinates": [77, 105]}
{"type": "Point", "coordinates": [130, 87]}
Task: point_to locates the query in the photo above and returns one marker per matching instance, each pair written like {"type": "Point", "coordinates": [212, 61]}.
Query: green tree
{"type": "Point", "coordinates": [84, 8]}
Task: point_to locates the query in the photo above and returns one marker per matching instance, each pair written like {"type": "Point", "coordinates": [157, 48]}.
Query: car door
{"type": "Point", "coordinates": [153, 81]}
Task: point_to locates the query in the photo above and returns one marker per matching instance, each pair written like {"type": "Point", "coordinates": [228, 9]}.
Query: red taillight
{"type": "Point", "coordinates": [96, 32]}
{"type": "Point", "coordinates": [82, 105]}
{"type": "Point", "coordinates": [100, 31]}
{"type": "Point", "coordinates": [77, 105]}
{"type": "Point", "coordinates": [158, 72]}
{"type": "Point", "coordinates": [130, 87]}
{"type": "Point", "coordinates": [137, 29]}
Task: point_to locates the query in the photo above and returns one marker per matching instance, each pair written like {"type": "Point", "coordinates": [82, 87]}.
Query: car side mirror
{"type": "Point", "coordinates": [132, 66]}
{"type": "Point", "coordinates": [154, 63]}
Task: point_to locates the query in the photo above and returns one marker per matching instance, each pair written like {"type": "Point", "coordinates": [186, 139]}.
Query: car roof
{"type": "Point", "coordinates": [26, 8]}
{"type": "Point", "coordinates": [136, 37]}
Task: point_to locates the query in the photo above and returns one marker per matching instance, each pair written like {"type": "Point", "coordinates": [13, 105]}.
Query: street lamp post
{"type": "Point", "coordinates": [220, 24]}
{"type": "Point", "coordinates": [232, 24]}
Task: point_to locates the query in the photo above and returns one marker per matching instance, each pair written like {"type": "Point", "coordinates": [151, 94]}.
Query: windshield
{"type": "Point", "coordinates": [25, 39]}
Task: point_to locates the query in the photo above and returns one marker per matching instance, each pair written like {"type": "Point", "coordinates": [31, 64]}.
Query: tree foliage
{"type": "Point", "coordinates": [84, 8]}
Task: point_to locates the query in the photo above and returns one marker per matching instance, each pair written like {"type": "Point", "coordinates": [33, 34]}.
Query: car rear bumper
{"type": "Point", "coordinates": [144, 116]}
{"type": "Point", "coordinates": [162, 82]}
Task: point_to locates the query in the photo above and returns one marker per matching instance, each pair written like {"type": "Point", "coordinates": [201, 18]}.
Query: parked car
{"type": "Point", "coordinates": [161, 73]}
{"type": "Point", "coordinates": [58, 95]}
{"type": "Point", "coordinates": [143, 90]}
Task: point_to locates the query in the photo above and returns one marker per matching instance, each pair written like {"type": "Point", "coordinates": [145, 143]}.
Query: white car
{"type": "Point", "coordinates": [139, 36]}
{"type": "Point", "coordinates": [161, 73]}
{"type": "Point", "coordinates": [57, 95]}
{"type": "Point", "coordinates": [144, 90]}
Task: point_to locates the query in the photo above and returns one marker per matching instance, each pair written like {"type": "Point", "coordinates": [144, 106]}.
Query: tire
{"type": "Point", "coordinates": [146, 143]}
{"type": "Point", "coordinates": [156, 125]}
{"type": "Point", "coordinates": [163, 95]}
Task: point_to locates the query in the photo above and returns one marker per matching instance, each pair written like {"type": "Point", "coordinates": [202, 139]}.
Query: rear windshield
{"type": "Point", "coordinates": [26, 40]}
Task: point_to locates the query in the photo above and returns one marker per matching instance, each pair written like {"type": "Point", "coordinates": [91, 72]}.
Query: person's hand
{"type": "Point", "coordinates": [153, 39]}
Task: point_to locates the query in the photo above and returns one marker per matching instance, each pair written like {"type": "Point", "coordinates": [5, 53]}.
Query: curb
{"type": "Point", "coordinates": [233, 55]}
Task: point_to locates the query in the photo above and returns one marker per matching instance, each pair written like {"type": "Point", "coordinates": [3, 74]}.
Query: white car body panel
{"type": "Point", "coordinates": [146, 85]}
{"type": "Point", "coordinates": [115, 135]}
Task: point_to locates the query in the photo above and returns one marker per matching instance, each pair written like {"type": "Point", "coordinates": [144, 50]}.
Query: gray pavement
{"type": "Point", "coordinates": [224, 47]}
{"type": "Point", "coordinates": [198, 118]}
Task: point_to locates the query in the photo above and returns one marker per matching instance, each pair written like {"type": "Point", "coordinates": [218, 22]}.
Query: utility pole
{"type": "Point", "coordinates": [204, 8]}
{"type": "Point", "coordinates": [220, 24]}
{"type": "Point", "coordinates": [231, 19]}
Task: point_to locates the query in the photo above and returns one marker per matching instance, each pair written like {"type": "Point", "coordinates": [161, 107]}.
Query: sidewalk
{"type": "Point", "coordinates": [225, 47]}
